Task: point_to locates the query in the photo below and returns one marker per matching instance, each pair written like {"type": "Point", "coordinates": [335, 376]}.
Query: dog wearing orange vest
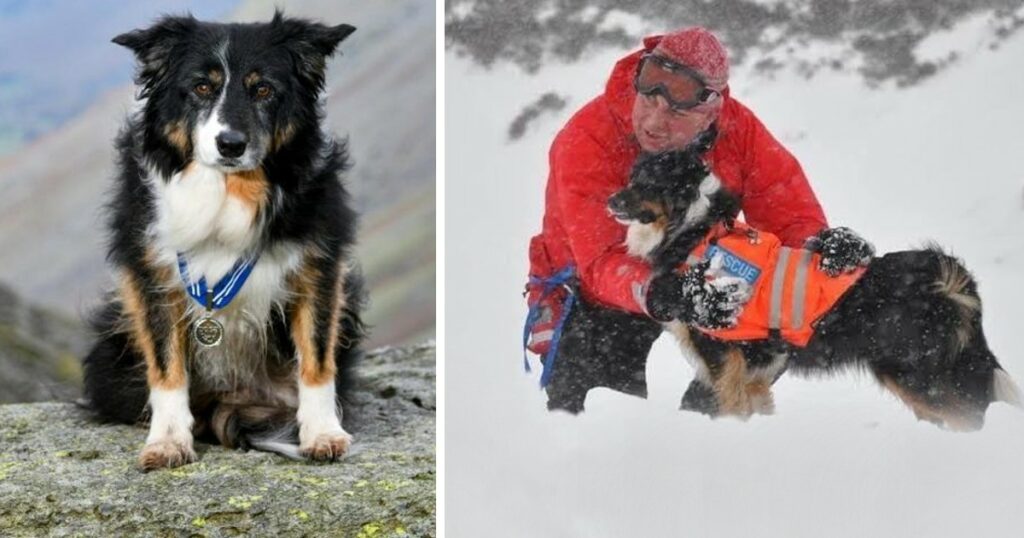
{"type": "Point", "coordinates": [912, 318]}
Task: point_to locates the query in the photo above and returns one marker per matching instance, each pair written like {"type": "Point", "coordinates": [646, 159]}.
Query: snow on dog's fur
{"type": "Point", "coordinates": [913, 319]}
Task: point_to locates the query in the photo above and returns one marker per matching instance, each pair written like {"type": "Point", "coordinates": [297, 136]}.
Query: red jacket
{"type": "Point", "coordinates": [590, 160]}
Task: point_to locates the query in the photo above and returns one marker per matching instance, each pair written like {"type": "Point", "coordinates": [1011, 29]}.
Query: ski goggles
{"type": "Point", "coordinates": [682, 87]}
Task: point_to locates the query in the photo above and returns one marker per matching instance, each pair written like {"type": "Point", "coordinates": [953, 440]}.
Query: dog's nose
{"type": "Point", "coordinates": [619, 202]}
{"type": "Point", "coordinates": [231, 144]}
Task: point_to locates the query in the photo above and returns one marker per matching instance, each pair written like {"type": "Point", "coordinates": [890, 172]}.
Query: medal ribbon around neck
{"type": "Point", "coordinates": [224, 290]}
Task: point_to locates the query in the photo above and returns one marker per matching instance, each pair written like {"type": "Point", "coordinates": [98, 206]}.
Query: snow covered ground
{"type": "Point", "coordinates": [943, 160]}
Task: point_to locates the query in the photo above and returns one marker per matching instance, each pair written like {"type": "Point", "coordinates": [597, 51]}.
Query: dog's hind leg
{"type": "Point", "coordinates": [113, 373]}
{"type": "Point", "coordinates": [945, 370]}
{"type": "Point", "coordinates": [977, 369]}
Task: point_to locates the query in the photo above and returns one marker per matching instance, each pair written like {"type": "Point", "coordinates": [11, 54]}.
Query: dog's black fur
{"type": "Point", "coordinates": [913, 319]}
{"type": "Point", "coordinates": [262, 85]}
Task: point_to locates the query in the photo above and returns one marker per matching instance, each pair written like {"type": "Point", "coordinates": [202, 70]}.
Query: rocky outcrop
{"type": "Point", "coordinates": [63, 474]}
{"type": "Point", "coordinates": [39, 352]}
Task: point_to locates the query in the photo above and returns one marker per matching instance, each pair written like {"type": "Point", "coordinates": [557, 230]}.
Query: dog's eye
{"type": "Point", "coordinates": [203, 89]}
{"type": "Point", "coordinates": [264, 91]}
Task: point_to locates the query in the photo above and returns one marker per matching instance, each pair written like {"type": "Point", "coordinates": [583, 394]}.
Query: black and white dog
{"type": "Point", "coordinates": [913, 319]}
{"type": "Point", "coordinates": [236, 316]}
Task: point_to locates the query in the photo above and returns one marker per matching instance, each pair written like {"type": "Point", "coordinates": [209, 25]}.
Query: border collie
{"type": "Point", "coordinates": [913, 318]}
{"type": "Point", "coordinates": [236, 314]}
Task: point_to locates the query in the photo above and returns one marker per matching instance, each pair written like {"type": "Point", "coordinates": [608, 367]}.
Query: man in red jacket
{"type": "Point", "coordinates": [594, 309]}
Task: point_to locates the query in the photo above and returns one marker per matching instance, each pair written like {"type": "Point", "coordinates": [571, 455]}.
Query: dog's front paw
{"type": "Point", "coordinates": [166, 454]}
{"type": "Point", "coordinates": [326, 446]}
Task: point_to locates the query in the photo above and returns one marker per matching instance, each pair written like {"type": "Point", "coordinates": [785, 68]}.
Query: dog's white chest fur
{"type": "Point", "coordinates": [196, 216]}
{"type": "Point", "coordinates": [194, 207]}
{"type": "Point", "coordinates": [199, 218]}
{"type": "Point", "coordinates": [641, 238]}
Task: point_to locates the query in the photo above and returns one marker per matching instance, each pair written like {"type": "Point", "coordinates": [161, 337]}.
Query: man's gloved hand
{"type": "Point", "coordinates": [694, 299]}
{"type": "Point", "coordinates": [841, 249]}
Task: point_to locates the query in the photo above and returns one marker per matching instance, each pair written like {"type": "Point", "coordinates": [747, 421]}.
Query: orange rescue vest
{"type": "Point", "coordinates": [790, 292]}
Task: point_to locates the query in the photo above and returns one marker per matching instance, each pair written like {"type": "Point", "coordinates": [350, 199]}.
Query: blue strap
{"type": "Point", "coordinates": [531, 318]}
{"type": "Point", "coordinates": [225, 289]}
{"type": "Point", "coordinates": [549, 362]}
{"type": "Point", "coordinates": [550, 284]}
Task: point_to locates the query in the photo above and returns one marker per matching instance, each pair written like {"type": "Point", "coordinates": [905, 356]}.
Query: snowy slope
{"type": "Point", "coordinates": [941, 161]}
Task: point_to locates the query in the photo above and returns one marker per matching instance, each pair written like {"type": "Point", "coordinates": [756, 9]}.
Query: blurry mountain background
{"type": "Point", "coordinates": [65, 89]}
{"type": "Point", "coordinates": [880, 40]}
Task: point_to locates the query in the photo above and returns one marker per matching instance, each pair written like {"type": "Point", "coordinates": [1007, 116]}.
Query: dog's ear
{"type": "Point", "coordinates": [154, 46]}
{"type": "Point", "coordinates": [311, 43]}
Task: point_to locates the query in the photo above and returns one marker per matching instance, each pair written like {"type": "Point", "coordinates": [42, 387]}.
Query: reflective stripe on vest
{"type": "Point", "coordinates": [800, 288]}
{"type": "Point", "coordinates": [775, 301]}
{"type": "Point", "coordinates": [797, 293]}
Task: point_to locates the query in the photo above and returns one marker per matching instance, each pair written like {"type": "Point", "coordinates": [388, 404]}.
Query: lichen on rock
{"type": "Point", "coordinates": [63, 474]}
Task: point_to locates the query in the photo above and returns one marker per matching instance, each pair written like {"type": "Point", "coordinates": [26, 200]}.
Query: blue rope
{"type": "Point", "coordinates": [550, 284]}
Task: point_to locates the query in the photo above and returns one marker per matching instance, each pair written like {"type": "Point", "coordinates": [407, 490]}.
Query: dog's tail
{"type": "Point", "coordinates": [1004, 389]}
{"type": "Point", "coordinates": [956, 284]}
{"type": "Point", "coordinates": [287, 447]}
{"type": "Point", "coordinates": [266, 428]}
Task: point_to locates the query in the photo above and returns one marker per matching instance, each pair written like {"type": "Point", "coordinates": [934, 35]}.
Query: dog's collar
{"type": "Point", "coordinates": [225, 289]}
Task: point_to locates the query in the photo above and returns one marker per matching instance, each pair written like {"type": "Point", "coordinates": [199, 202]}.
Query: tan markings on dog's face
{"type": "Point", "coordinates": [730, 385]}
{"type": "Point", "coordinates": [660, 215]}
{"type": "Point", "coordinates": [216, 77]}
{"type": "Point", "coordinates": [249, 187]}
{"type": "Point", "coordinates": [923, 411]}
{"type": "Point", "coordinates": [282, 135]}
{"type": "Point", "coordinates": [251, 79]}
{"type": "Point", "coordinates": [177, 135]}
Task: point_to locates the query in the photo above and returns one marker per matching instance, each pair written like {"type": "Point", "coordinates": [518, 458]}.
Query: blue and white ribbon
{"type": "Point", "coordinates": [225, 289]}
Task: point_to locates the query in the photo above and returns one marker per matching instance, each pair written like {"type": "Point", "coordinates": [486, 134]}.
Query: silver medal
{"type": "Point", "coordinates": [208, 332]}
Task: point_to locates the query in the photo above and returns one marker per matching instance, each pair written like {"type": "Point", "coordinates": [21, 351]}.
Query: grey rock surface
{"type": "Point", "coordinates": [39, 352]}
{"type": "Point", "coordinates": [63, 474]}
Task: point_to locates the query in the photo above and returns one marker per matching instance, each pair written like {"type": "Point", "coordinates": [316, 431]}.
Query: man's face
{"type": "Point", "coordinates": [658, 128]}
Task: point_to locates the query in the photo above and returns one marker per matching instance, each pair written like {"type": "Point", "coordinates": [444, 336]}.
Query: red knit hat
{"type": "Point", "coordinates": [700, 50]}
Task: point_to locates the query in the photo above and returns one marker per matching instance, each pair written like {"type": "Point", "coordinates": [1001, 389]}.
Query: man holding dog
{"type": "Point", "coordinates": [595, 309]}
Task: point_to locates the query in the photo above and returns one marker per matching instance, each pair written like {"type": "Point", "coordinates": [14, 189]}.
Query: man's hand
{"type": "Point", "coordinates": [841, 249]}
{"type": "Point", "coordinates": [701, 296]}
